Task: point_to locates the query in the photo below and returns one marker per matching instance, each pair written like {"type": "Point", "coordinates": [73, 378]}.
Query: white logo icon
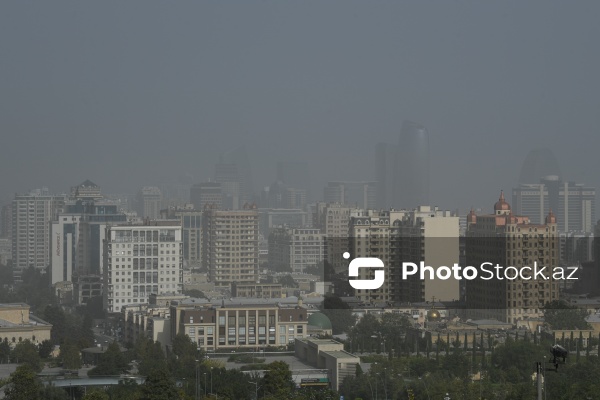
{"type": "Point", "coordinates": [365, 262]}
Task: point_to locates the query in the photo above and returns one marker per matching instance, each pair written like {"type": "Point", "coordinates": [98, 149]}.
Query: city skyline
{"type": "Point", "coordinates": [102, 103]}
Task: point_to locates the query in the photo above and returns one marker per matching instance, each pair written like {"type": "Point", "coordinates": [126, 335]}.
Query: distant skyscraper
{"type": "Point", "coordinates": [574, 204]}
{"type": "Point", "coordinates": [227, 175]}
{"type": "Point", "coordinates": [412, 167]}
{"type": "Point", "coordinates": [360, 194]}
{"type": "Point", "coordinates": [205, 193]}
{"type": "Point", "coordinates": [385, 162]}
{"type": "Point", "coordinates": [149, 202]}
{"type": "Point", "coordinates": [294, 175]}
{"type": "Point", "coordinates": [243, 174]}
{"type": "Point", "coordinates": [537, 164]}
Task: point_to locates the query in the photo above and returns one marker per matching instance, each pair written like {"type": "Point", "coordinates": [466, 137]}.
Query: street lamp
{"type": "Point", "coordinates": [447, 397]}
{"type": "Point", "coordinates": [255, 389]}
{"type": "Point", "coordinates": [211, 392]}
{"type": "Point", "coordinates": [205, 384]}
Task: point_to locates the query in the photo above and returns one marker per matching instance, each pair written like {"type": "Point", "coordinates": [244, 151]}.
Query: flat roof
{"type": "Point", "coordinates": [341, 354]}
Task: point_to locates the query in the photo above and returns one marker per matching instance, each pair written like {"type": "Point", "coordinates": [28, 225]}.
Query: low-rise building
{"type": "Point", "coordinates": [17, 324]}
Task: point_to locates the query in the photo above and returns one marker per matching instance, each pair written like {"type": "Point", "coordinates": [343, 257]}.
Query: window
{"type": "Point", "coordinates": [282, 339]}
{"type": "Point", "coordinates": [282, 329]}
{"type": "Point", "coordinates": [262, 319]}
{"type": "Point", "coordinates": [221, 320]}
{"type": "Point", "coordinates": [299, 329]}
{"type": "Point", "coordinates": [209, 330]}
{"type": "Point", "coordinates": [232, 321]}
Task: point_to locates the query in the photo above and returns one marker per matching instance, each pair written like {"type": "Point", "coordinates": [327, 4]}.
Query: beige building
{"type": "Point", "coordinates": [510, 241]}
{"type": "Point", "coordinates": [424, 235]}
{"type": "Point", "coordinates": [295, 249]}
{"type": "Point", "coordinates": [17, 324]}
{"type": "Point", "coordinates": [230, 245]}
{"type": "Point", "coordinates": [333, 219]}
{"type": "Point", "coordinates": [329, 355]}
{"type": "Point", "coordinates": [239, 324]}
{"type": "Point", "coordinates": [256, 290]}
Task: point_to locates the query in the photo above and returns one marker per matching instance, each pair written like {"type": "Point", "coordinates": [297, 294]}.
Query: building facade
{"type": "Point", "coordinates": [230, 245]}
{"type": "Point", "coordinates": [206, 193]}
{"type": "Point", "coordinates": [140, 260]}
{"type": "Point", "coordinates": [508, 240]}
{"type": "Point", "coordinates": [296, 249]}
{"type": "Point", "coordinates": [148, 202]}
{"type": "Point", "coordinates": [32, 215]}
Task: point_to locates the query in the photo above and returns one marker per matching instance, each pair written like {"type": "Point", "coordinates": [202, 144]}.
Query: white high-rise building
{"type": "Point", "coordinates": [32, 214]}
{"type": "Point", "coordinates": [140, 260]}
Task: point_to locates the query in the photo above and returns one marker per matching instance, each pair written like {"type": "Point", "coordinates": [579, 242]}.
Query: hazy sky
{"type": "Point", "coordinates": [125, 92]}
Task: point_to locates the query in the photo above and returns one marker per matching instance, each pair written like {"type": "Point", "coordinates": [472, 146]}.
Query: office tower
{"type": "Point", "coordinates": [295, 249]}
{"type": "Point", "coordinates": [190, 220]}
{"type": "Point", "coordinates": [538, 163]}
{"type": "Point", "coordinates": [294, 175]}
{"type": "Point", "coordinates": [333, 219]}
{"type": "Point", "coordinates": [385, 174]}
{"type": "Point", "coordinates": [230, 245]}
{"type": "Point", "coordinates": [202, 194]}
{"type": "Point", "coordinates": [234, 167]}
{"type": "Point", "coordinates": [531, 199]}
{"type": "Point", "coordinates": [148, 202]}
{"type": "Point", "coordinates": [272, 218]}
{"type": "Point", "coordinates": [77, 237]}
{"type": "Point", "coordinates": [86, 190]}
{"type": "Point", "coordinates": [412, 167]}
{"type": "Point", "coordinates": [226, 174]}
{"type": "Point", "coordinates": [140, 260]}
{"type": "Point", "coordinates": [510, 241]}
{"type": "Point", "coordinates": [32, 214]}
{"type": "Point", "coordinates": [279, 196]}
{"type": "Point", "coordinates": [574, 204]}
{"type": "Point", "coordinates": [359, 194]}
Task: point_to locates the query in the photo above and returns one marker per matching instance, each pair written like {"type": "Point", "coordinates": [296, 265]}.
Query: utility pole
{"type": "Point", "coordinates": [538, 366]}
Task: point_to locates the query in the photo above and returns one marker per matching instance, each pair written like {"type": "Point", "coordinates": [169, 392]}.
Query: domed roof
{"type": "Point", "coordinates": [501, 204]}
{"type": "Point", "coordinates": [433, 315]}
{"type": "Point", "coordinates": [319, 320]}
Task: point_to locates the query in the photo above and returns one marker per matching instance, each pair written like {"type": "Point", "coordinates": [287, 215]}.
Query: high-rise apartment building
{"type": "Point", "coordinates": [149, 202]}
{"type": "Point", "coordinates": [424, 234]}
{"type": "Point", "coordinates": [296, 249]}
{"type": "Point", "coordinates": [230, 245]}
{"type": "Point", "coordinates": [358, 194]}
{"type": "Point", "coordinates": [333, 219]}
{"type": "Point", "coordinates": [507, 240]}
{"type": "Point", "coordinates": [206, 193]}
{"type": "Point", "coordinates": [140, 260]}
{"type": "Point", "coordinates": [574, 204]}
{"type": "Point", "coordinates": [32, 214]}
{"type": "Point", "coordinates": [385, 174]}
{"type": "Point", "coordinates": [6, 221]}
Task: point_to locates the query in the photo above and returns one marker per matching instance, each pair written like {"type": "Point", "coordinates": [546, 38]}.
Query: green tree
{"type": "Point", "coordinates": [277, 380]}
{"type": "Point", "coordinates": [150, 356]}
{"type": "Point", "coordinates": [194, 293]}
{"type": "Point", "coordinates": [70, 356]}
{"type": "Point", "coordinates": [96, 395]}
{"type": "Point", "coordinates": [24, 385]}
{"type": "Point", "coordinates": [339, 313]}
{"type": "Point", "coordinates": [288, 281]}
{"type": "Point", "coordinates": [559, 315]}
{"type": "Point", "coordinates": [45, 349]}
{"type": "Point", "coordinates": [112, 362]}
{"type": "Point", "coordinates": [25, 352]}
{"type": "Point", "coordinates": [159, 386]}
{"type": "Point", "coordinates": [4, 351]}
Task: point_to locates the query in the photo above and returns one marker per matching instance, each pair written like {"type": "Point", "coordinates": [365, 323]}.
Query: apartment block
{"type": "Point", "coordinates": [296, 249]}
{"type": "Point", "coordinates": [230, 245]}
{"type": "Point", "coordinates": [511, 241]}
{"type": "Point", "coordinates": [140, 260]}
